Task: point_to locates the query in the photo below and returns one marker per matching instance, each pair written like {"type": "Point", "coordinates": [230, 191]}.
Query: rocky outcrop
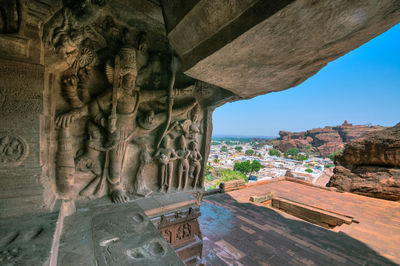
{"type": "Point", "coordinates": [349, 132]}
{"type": "Point", "coordinates": [297, 140]}
{"type": "Point", "coordinates": [323, 140]}
{"type": "Point", "coordinates": [326, 140]}
{"type": "Point", "coordinates": [370, 165]}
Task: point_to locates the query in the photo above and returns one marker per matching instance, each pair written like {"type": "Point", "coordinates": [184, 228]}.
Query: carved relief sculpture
{"type": "Point", "coordinates": [9, 16]}
{"type": "Point", "coordinates": [115, 112]}
{"type": "Point", "coordinates": [183, 163]}
{"type": "Point", "coordinates": [166, 155]}
{"type": "Point", "coordinates": [195, 165]}
{"type": "Point", "coordinates": [65, 170]}
{"type": "Point", "coordinates": [139, 183]}
{"type": "Point", "coordinates": [121, 113]}
{"type": "Point", "coordinates": [13, 150]}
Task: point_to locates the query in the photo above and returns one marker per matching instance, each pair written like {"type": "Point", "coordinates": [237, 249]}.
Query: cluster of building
{"type": "Point", "coordinates": [225, 156]}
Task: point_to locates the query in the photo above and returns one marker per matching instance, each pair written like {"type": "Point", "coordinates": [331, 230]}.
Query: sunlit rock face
{"type": "Point", "coordinates": [254, 47]}
{"type": "Point", "coordinates": [323, 141]}
{"type": "Point", "coordinates": [371, 165]}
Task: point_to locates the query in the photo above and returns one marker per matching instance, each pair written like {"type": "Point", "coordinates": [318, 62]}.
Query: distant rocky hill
{"type": "Point", "coordinates": [323, 140]}
{"type": "Point", "coordinates": [370, 165]}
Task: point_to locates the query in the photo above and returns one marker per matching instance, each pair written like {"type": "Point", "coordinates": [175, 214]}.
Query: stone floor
{"type": "Point", "coordinates": [237, 232]}
{"type": "Point", "coordinates": [98, 233]}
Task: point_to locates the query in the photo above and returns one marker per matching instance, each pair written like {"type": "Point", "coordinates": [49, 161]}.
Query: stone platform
{"type": "Point", "coordinates": [239, 232]}
{"type": "Point", "coordinates": [158, 230]}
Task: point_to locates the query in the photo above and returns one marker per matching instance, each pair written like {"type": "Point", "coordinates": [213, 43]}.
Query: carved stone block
{"type": "Point", "coordinates": [113, 235]}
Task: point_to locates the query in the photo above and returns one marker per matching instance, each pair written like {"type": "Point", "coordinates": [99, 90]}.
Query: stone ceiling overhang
{"type": "Point", "coordinates": [256, 47]}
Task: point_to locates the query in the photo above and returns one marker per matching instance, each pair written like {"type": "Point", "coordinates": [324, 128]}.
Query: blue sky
{"type": "Point", "coordinates": [362, 87]}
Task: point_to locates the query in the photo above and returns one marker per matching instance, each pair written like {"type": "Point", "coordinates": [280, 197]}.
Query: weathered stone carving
{"type": "Point", "coordinates": [195, 165]}
{"type": "Point", "coordinates": [195, 126]}
{"type": "Point", "coordinates": [121, 104]}
{"type": "Point", "coordinates": [13, 150]}
{"type": "Point", "coordinates": [183, 163]}
{"type": "Point", "coordinates": [9, 16]}
{"type": "Point", "coordinates": [183, 231]}
{"type": "Point", "coordinates": [121, 107]}
{"type": "Point", "coordinates": [166, 155]}
{"type": "Point", "coordinates": [139, 183]}
{"type": "Point", "coordinates": [65, 171]}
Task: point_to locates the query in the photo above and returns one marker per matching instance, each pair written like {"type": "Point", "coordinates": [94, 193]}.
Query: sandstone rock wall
{"type": "Point", "coordinates": [371, 165]}
{"type": "Point", "coordinates": [323, 140]}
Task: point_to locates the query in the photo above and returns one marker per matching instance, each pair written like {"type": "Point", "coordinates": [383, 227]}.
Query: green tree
{"type": "Point", "coordinates": [292, 152]}
{"type": "Point", "coordinates": [214, 143]}
{"type": "Point", "coordinates": [247, 167]}
{"type": "Point", "coordinates": [224, 149]}
{"type": "Point", "coordinates": [329, 165]}
{"type": "Point", "coordinates": [216, 160]}
{"type": "Point", "coordinates": [249, 152]}
{"type": "Point", "coordinates": [308, 170]}
{"type": "Point", "coordinates": [255, 166]}
{"type": "Point", "coordinates": [243, 167]}
{"type": "Point", "coordinates": [274, 152]}
{"type": "Point", "coordinates": [301, 157]}
{"type": "Point", "coordinates": [239, 148]}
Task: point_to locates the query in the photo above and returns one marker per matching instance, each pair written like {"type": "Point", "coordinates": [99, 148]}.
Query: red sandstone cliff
{"type": "Point", "coordinates": [370, 165]}
{"type": "Point", "coordinates": [323, 140]}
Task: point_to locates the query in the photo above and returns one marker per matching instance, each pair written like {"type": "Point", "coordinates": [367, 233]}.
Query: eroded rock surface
{"type": "Point", "coordinates": [370, 165]}
{"type": "Point", "coordinates": [323, 140]}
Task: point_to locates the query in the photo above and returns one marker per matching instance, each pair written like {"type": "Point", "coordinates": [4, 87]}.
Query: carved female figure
{"type": "Point", "coordinates": [183, 163]}
{"type": "Point", "coordinates": [194, 160]}
{"type": "Point", "coordinates": [166, 155]}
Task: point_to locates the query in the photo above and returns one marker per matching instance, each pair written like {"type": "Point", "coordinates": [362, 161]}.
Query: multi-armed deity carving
{"type": "Point", "coordinates": [122, 128]}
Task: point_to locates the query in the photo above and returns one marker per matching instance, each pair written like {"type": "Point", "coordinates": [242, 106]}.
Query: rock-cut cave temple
{"type": "Point", "coordinates": [106, 112]}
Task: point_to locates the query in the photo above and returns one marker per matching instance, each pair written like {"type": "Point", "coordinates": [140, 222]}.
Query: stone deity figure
{"type": "Point", "coordinates": [194, 160]}
{"type": "Point", "coordinates": [183, 163]}
{"type": "Point", "coordinates": [139, 184]}
{"type": "Point", "coordinates": [195, 126]}
{"type": "Point", "coordinates": [118, 129]}
{"type": "Point", "coordinates": [166, 155]}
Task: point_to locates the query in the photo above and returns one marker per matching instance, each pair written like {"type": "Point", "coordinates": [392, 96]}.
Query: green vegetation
{"type": "Point", "coordinates": [308, 170]}
{"type": "Point", "coordinates": [294, 154]}
{"type": "Point", "coordinates": [215, 142]}
{"type": "Point", "coordinates": [332, 155]}
{"type": "Point", "coordinates": [249, 152]}
{"type": "Point", "coordinates": [226, 175]}
{"type": "Point", "coordinates": [329, 165]}
{"type": "Point", "coordinates": [215, 160]}
{"type": "Point", "coordinates": [247, 167]}
{"type": "Point", "coordinates": [239, 148]}
{"type": "Point", "coordinates": [224, 149]}
{"type": "Point", "coordinates": [291, 152]}
{"type": "Point", "coordinates": [300, 157]}
{"type": "Point", "coordinates": [274, 152]}
{"type": "Point", "coordinates": [209, 178]}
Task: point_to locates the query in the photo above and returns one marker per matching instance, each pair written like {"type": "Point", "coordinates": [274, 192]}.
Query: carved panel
{"type": "Point", "coordinates": [9, 16]}
{"type": "Point", "coordinates": [134, 128]}
{"type": "Point", "coordinates": [183, 232]}
{"type": "Point", "coordinates": [13, 150]}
